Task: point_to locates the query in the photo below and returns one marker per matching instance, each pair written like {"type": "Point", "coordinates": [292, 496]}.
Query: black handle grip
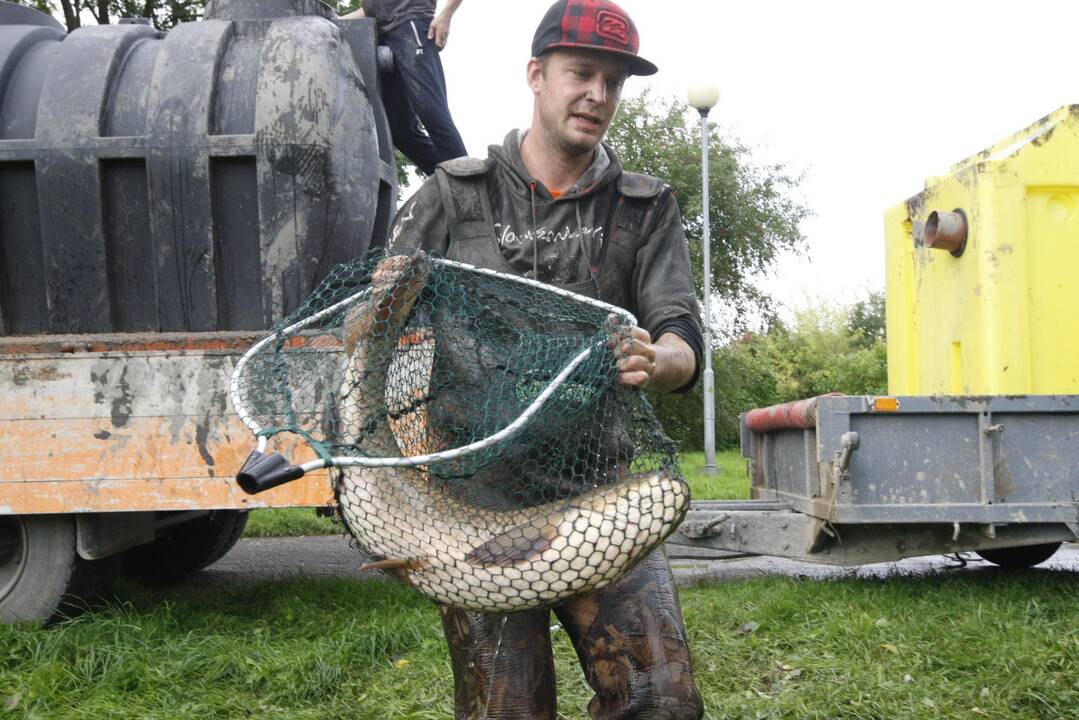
{"type": "Point", "coordinates": [262, 472]}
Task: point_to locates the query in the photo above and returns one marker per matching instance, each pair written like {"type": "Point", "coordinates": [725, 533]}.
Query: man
{"type": "Point", "coordinates": [415, 92]}
{"type": "Point", "coordinates": [553, 204]}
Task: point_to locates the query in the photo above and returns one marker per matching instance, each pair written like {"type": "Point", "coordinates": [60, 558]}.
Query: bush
{"type": "Point", "coordinates": [824, 350]}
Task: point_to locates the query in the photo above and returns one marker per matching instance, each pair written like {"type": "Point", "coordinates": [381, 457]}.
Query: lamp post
{"type": "Point", "coordinates": [703, 97]}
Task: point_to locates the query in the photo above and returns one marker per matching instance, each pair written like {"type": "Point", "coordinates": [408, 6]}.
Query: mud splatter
{"type": "Point", "coordinates": [27, 375]}
{"type": "Point", "coordinates": [119, 395]}
{"type": "Point", "coordinates": [202, 433]}
{"type": "Point", "coordinates": [121, 404]}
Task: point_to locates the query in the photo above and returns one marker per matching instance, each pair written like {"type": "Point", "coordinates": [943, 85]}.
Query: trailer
{"type": "Point", "coordinates": [977, 447]}
{"type": "Point", "coordinates": [855, 480]}
{"type": "Point", "coordinates": [165, 198]}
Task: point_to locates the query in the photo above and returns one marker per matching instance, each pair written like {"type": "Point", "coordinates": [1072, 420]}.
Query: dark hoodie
{"type": "Point", "coordinates": [558, 240]}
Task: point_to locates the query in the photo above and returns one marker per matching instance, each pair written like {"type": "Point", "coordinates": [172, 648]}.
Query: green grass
{"type": "Point", "coordinates": [986, 645]}
{"type": "Point", "coordinates": [731, 483]}
{"type": "Point", "coordinates": [993, 645]}
{"type": "Point", "coordinates": [282, 522]}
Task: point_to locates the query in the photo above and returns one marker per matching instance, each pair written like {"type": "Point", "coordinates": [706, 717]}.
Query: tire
{"type": "Point", "coordinates": [1020, 557]}
{"type": "Point", "coordinates": [42, 577]}
{"type": "Point", "coordinates": [187, 547]}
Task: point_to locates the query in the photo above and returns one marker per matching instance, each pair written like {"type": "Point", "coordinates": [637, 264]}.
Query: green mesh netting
{"type": "Point", "coordinates": [516, 469]}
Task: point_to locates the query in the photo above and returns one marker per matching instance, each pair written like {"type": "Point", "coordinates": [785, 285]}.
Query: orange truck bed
{"type": "Point", "coordinates": [117, 423]}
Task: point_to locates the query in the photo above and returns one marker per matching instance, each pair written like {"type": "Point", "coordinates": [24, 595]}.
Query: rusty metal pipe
{"type": "Point", "coordinates": [947, 231]}
{"type": "Point", "coordinates": [799, 414]}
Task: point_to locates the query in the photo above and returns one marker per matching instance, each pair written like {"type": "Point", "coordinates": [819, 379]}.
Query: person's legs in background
{"type": "Point", "coordinates": [408, 135]}
{"type": "Point", "coordinates": [418, 88]}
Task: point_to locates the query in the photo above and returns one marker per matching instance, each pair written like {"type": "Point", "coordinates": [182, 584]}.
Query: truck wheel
{"type": "Point", "coordinates": [1020, 557]}
{"type": "Point", "coordinates": [42, 576]}
{"type": "Point", "coordinates": [187, 547]}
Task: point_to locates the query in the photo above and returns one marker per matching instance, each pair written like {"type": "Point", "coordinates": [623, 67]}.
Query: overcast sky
{"type": "Point", "coordinates": [867, 98]}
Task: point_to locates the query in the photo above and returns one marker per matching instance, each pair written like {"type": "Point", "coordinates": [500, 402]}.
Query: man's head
{"type": "Point", "coordinates": [582, 53]}
{"type": "Point", "coordinates": [591, 25]}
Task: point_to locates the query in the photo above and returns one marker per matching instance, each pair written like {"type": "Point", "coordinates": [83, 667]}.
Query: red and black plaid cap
{"type": "Point", "coordinates": [592, 25]}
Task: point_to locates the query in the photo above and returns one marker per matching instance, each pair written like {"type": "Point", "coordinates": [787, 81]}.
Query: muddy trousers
{"type": "Point", "coordinates": [629, 637]}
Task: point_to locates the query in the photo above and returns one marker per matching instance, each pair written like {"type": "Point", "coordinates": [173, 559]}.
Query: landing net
{"type": "Point", "coordinates": [471, 415]}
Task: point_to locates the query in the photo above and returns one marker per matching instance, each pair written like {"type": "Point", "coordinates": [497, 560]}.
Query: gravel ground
{"type": "Point", "coordinates": [258, 559]}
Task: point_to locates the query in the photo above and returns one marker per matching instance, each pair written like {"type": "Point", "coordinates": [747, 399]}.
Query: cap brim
{"type": "Point", "coordinates": [637, 64]}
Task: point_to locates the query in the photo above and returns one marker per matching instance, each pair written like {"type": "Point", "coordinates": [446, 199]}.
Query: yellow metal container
{"type": "Point", "coordinates": [1001, 315]}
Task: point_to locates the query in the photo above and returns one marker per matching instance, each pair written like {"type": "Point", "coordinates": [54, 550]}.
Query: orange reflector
{"type": "Point", "coordinates": [885, 404]}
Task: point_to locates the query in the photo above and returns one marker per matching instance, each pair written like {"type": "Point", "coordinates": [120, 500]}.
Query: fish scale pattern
{"type": "Point", "coordinates": [402, 356]}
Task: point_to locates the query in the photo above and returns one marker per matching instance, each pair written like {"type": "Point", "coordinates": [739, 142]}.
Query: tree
{"type": "Point", "coordinates": [823, 350]}
{"type": "Point", "coordinates": [866, 319]}
{"type": "Point", "coordinates": [164, 14]}
{"type": "Point", "coordinates": [754, 218]}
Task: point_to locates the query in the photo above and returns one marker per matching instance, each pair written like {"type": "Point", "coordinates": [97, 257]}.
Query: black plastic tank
{"type": "Point", "coordinates": [197, 180]}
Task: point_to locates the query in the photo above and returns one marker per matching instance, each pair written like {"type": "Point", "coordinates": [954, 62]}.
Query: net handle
{"type": "Point", "coordinates": [453, 453]}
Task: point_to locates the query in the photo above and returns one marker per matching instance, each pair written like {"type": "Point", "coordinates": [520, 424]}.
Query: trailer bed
{"type": "Point", "coordinates": [859, 479]}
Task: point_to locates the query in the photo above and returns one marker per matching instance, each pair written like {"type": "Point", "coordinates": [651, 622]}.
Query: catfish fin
{"type": "Point", "coordinates": [392, 565]}
{"type": "Point", "coordinates": [518, 544]}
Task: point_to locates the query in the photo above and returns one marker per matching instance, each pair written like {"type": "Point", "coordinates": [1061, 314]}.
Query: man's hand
{"type": "Point", "coordinates": [356, 14]}
{"type": "Point", "coordinates": [439, 30]}
{"type": "Point", "coordinates": [667, 364]}
{"type": "Point", "coordinates": [636, 358]}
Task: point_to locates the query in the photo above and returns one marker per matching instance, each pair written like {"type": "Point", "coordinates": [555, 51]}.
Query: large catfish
{"type": "Point", "coordinates": [452, 551]}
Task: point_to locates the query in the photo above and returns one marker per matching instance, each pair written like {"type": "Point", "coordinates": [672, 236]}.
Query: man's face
{"type": "Point", "coordinates": [577, 93]}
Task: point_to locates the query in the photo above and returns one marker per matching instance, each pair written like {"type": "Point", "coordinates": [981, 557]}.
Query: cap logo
{"type": "Point", "coordinates": [612, 26]}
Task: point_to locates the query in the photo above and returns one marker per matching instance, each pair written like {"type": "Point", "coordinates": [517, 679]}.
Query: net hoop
{"type": "Point", "coordinates": [443, 455]}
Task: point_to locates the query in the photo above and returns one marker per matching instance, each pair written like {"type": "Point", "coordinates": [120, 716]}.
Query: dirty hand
{"type": "Point", "coordinates": [439, 30]}
{"type": "Point", "coordinates": [636, 358]}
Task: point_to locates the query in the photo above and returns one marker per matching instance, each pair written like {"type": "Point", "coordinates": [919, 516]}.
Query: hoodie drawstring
{"type": "Point", "coordinates": [589, 246]}
{"type": "Point", "coordinates": [535, 239]}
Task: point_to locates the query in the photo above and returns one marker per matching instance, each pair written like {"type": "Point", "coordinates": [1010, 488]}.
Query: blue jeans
{"type": "Point", "coordinates": [416, 93]}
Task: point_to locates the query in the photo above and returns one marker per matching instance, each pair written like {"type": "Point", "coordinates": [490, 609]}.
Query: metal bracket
{"type": "Point", "coordinates": [707, 529]}
{"type": "Point", "coordinates": [849, 443]}
{"type": "Point", "coordinates": [99, 535]}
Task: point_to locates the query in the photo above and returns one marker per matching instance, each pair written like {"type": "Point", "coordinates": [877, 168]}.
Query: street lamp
{"type": "Point", "coordinates": [704, 96]}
